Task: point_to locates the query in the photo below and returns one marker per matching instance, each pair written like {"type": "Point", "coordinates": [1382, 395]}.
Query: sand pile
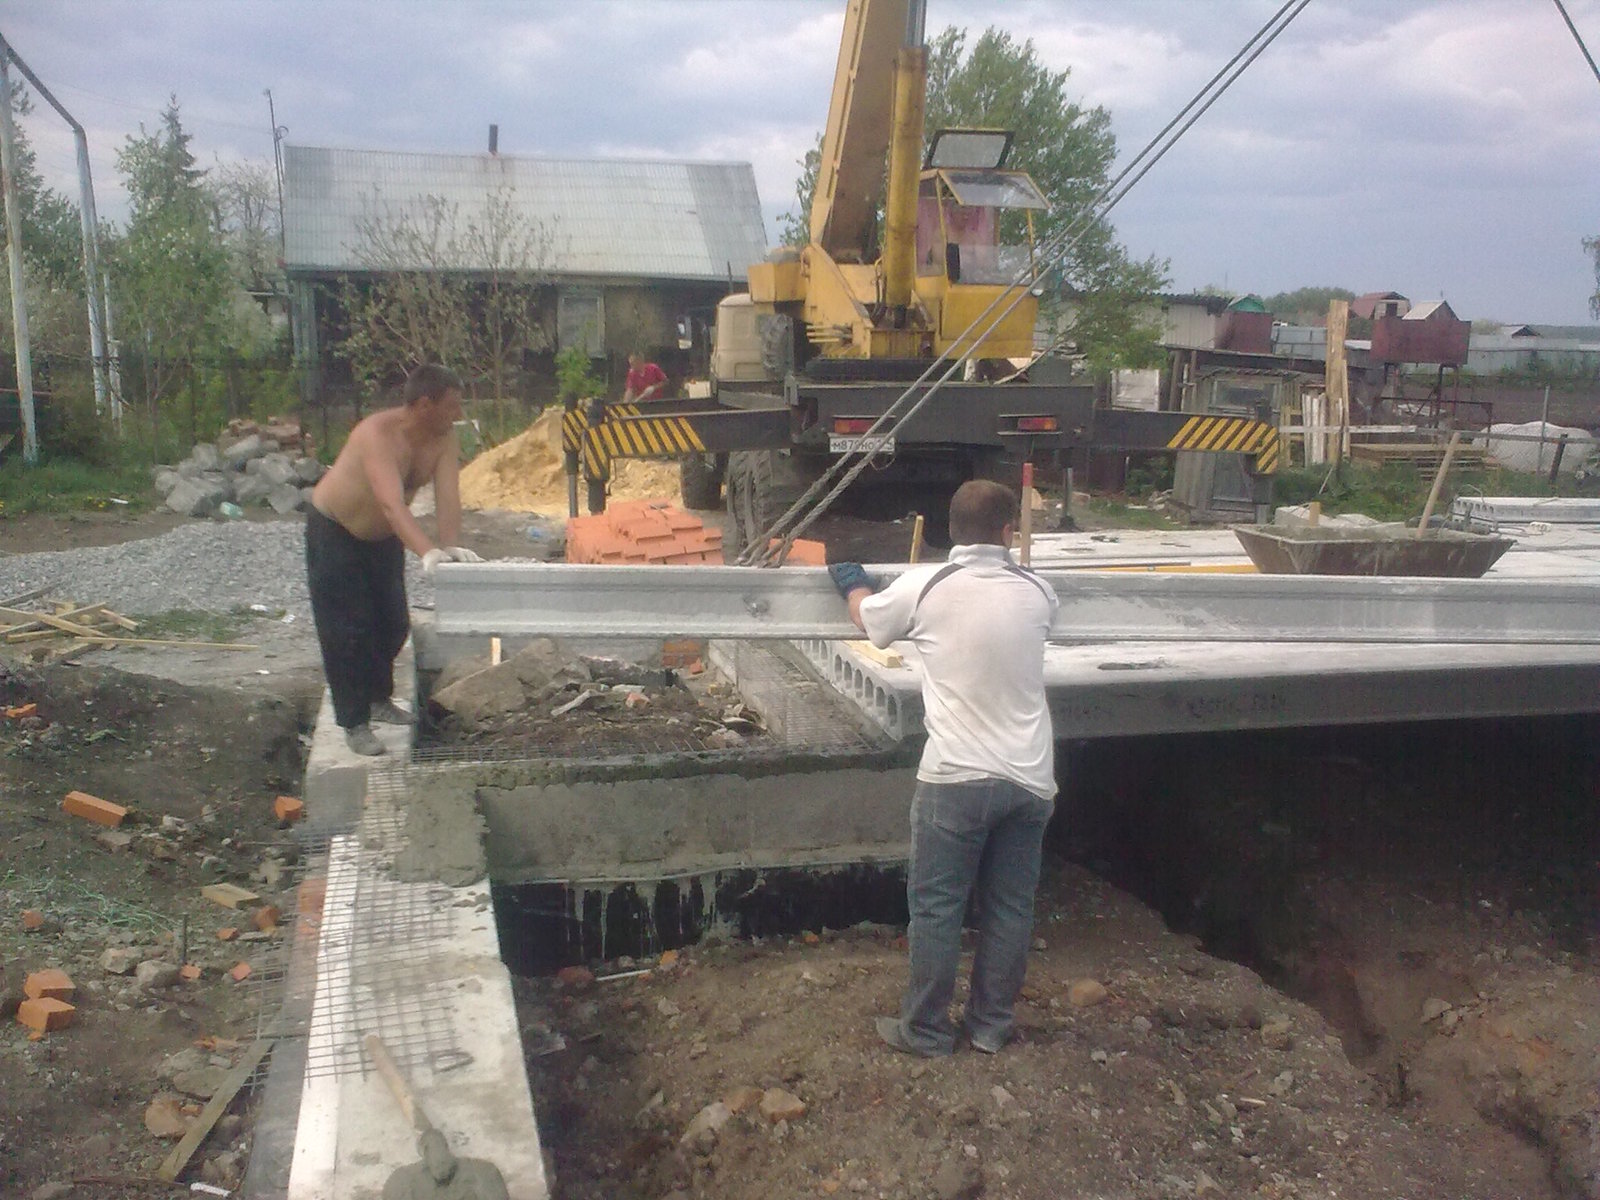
{"type": "Point", "coordinates": [525, 474]}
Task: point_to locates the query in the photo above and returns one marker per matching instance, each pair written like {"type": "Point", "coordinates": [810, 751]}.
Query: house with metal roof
{"type": "Point", "coordinates": [630, 252]}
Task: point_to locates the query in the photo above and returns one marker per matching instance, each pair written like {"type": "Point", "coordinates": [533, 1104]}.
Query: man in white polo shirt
{"type": "Point", "coordinates": [986, 783]}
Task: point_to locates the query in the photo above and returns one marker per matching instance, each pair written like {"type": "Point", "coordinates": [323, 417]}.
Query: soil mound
{"type": "Point", "coordinates": [525, 474]}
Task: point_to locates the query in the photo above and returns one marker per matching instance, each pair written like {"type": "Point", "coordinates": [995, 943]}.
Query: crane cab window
{"type": "Point", "coordinates": [959, 224]}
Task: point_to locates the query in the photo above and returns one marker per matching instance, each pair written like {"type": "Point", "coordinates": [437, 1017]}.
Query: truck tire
{"type": "Point", "coordinates": [700, 480]}
{"type": "Point", "coordinates": [761, 487]}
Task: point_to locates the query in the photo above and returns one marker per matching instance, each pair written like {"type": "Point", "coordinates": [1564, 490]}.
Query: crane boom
{"type": "Point", "coordinates": [856, 140]}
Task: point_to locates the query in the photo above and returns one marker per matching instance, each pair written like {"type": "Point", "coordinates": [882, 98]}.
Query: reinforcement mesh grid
{"type": "Point", "coordinates": [363, 955]}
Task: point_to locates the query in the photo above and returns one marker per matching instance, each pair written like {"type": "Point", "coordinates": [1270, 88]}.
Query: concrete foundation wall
{"type": "Point", "coordinates": [650, 828]}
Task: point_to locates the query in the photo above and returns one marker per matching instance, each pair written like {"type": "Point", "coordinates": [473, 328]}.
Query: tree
{"type": "Point", "coordinates": [246, 201]}
{"type": "Point", "coordinates": [1305, 305]}
{"type": "Point", "coordinates": [52, 239]}
{"type": "Point", "coordinates": [1068, 150]}
{"type": "Point", "coordinates": [1592, 245]}
{"type": "Point", "coordinates": [441, 286]}
{"type": "Point", "coordinates": [171, 278]}
{"type": "Point", "coordinates": [793, 229]}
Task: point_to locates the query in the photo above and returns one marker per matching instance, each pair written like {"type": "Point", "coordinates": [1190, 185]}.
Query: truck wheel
{"type": "Point", "coordinates": [762, 485]}
{"type": "Point", "coordinates": [700, 481]}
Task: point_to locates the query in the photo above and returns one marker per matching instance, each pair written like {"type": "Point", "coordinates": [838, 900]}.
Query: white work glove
{"type": "Point", "coordinates": [441, 554]}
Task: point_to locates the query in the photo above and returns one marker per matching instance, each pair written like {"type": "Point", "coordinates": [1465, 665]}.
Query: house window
{"type": "Point", "coordinates": [581, 322]}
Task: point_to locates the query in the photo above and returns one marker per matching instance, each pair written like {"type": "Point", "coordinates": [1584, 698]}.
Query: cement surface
{"type": "Point", "coordinates": [443, 833]}
{"type": "Point", "coordinates": [654, 828]}
{"type": "Point", "coordinates": [351, 1135]}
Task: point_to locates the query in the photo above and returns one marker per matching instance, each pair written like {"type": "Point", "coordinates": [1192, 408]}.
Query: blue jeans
{"type": "Point", "coordinates": [990, 833]}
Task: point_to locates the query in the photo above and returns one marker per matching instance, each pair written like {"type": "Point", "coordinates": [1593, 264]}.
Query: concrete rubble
{"type": "Point", "coordinates": [250, 465]}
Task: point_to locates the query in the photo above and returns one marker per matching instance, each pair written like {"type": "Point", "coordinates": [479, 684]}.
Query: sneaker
{"type": "Point", "coordinates": [991, 1045]}
{"type": "Point", "coordinates": [362, 740]}
{"type": "Point", "coordinates": [387, 712]}
{"type": "Point", "coordinates": [894, 1036]}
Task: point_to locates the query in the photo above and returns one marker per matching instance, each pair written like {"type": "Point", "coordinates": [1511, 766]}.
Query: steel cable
{"type": "Point", "coordinates": [797, 518]}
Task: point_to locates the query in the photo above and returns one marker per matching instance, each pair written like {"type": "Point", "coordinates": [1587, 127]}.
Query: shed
{"type": "Point", "coordinates": [628, 248]}
{"type": "Point", "coordinates": [1428, 333]}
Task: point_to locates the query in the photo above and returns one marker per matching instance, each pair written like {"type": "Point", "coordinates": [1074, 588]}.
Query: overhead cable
{"type": "Point", "coordinates": [1052, 250]}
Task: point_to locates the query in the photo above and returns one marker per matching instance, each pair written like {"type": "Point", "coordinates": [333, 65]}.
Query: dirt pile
{"type": "Point", "coordinates": [525, 474]}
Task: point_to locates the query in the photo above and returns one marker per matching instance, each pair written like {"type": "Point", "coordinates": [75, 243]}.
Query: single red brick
{"type": "Point", "coordinates": [265, 918]}
{"type": "Point", "coordinates": [240, 973]}
{"type": "Point", "coordinates": [287, 808]}
{"type": "Point", "coordinates": [575, 977]}
{"type": "Point", "coordinates": [227, 933]}
{"type": "Point", "coordinates": [32, 919]}
{"type": "Point", "coordinates": [189, 972]}
{"type": "Point", "coordinates": [49, 984]}
{"type": "Point", "coordinates": [92, 808]}
{"type": "Point", "coordinates": [45, 1015]}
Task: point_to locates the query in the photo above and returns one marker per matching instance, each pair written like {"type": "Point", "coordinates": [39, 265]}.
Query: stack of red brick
{"type": "Point", "coordinates": [640, 532]}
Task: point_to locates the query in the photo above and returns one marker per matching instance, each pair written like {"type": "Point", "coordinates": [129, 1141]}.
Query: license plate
{"type": "Point", "coordinates": [877, 443]}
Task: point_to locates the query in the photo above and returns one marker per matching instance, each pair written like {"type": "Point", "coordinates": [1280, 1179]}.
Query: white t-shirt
{"type": "Point", "coordinates": [979, 623]}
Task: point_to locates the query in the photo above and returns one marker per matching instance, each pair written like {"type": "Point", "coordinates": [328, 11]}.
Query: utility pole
{"type": "Point", "coordinates": [277, 165]}
{"type": "Point", "coordinates": [92, 281]}
{"type": "Point", "coordinates": [19, 302]}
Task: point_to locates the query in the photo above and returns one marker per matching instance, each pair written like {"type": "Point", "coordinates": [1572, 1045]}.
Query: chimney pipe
{"type": "Point", "coordinates": [494, 139]}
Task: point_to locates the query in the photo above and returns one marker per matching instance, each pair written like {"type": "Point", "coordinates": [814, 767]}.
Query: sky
{"type": "Point", "coordinates": [1438, 148]}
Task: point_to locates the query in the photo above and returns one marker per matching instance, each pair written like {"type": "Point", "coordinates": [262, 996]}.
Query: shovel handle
{"type": "Point", "coordinates": [379, 1054]}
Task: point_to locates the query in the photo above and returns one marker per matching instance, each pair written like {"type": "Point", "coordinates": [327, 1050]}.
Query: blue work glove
{"type": "Point", "coordinates": [847, 577]}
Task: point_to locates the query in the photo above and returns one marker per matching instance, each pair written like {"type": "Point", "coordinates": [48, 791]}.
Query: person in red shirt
{"type": "Point", "coordinates": [646, 381]}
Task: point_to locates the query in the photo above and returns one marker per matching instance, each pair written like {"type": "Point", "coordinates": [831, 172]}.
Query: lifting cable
{"type": "Point", "coordinates": [1578, 37]}
{"type": "Point", "coordinates": [798, 517]}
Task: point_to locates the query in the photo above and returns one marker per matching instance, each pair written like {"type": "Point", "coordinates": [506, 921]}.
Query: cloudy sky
{"type": "Point", "coordinates": [1434, 147]}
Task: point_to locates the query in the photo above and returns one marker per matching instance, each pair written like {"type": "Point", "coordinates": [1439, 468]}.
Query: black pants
{"type": "Point", "coordinates": [358, 599]}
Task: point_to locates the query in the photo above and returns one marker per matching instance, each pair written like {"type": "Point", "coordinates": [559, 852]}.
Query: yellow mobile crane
{"type": "Point", "coordinates": [831, 335]}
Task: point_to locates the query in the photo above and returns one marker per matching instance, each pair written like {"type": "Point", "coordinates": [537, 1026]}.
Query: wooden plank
{"type": "Point", "coordinates": [884, 658]}
{"type": "Point", "coordinates": [172, 1166]}
{"type": "Point", "coordinates": [1337, 378]}
{"type": "Point", "coordinates": [228, 895]}
{"type": "Point", "coordinates": [107, 640]}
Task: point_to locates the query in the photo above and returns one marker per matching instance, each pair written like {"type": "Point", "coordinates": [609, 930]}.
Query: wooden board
{"type": "Point", "coordinates": [172, 1166]}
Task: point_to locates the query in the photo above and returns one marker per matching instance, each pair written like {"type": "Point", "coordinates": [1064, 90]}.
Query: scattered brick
{"type": "Point", "coordinates": [805, 553]}
{"type": "Point", "coordinates": [32, 919]}
{"type": "Point", "coordinates": [669, 957]}
{"type": "Point", "coordinates": [19, 711]}
{"type": "Point", "coordinates": [265, 918]}
{"type": "Point", "coordinates": [288, 809]}
{"type": "Point", "coordinates": [680, 652]}
{"type": "Point", "coordinates": [49, 984]}
{"type": "Point", "coordinates": [697, 667]}
{"type": "Point", "coordinates": [575, 977]}
{"type": "Point", "coordinates": [188, 972]}
{"type": "Point", "coordinates": [92, 808]}
{"type": "Point", "coordinates": [227, 933]}
{"type": "Point", "coordinates": [240, 973]}
{"type": "Point", "coordinates": [310, 895]}
{"type": "Point", "coordinates": [45, 1014]}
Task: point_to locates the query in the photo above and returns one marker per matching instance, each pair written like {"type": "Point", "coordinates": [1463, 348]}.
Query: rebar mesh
{"type": "Point", "coordinates": [363, 957]}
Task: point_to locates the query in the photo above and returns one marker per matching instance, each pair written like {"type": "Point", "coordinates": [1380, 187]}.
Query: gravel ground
{"type": "Point", "coordinates": [205, 566]}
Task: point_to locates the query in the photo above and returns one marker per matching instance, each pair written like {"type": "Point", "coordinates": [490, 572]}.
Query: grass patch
{"type": "Point", "coordinates": [67, 485]}
{"type": "Point", "coordinates": [190, 625]}
{"type": "Point", "coordinates": [1129, 516]}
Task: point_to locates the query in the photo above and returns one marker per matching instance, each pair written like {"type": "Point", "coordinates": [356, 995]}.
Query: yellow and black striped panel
{"type": "Point", "coordinates": [648, 437]}
{"type": "Point", "coordinates": [1239, 435]}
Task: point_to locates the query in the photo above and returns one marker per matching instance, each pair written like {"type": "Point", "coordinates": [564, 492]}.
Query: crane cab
{"type": "Point", "coordinates": [974, 241]}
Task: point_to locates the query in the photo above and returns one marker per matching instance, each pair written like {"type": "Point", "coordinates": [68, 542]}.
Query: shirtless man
{"type": "Point", "coordinates": [357, 532]}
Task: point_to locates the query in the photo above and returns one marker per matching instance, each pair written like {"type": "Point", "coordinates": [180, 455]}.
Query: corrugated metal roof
{"type": "Point", "coordinates": [654, 219]}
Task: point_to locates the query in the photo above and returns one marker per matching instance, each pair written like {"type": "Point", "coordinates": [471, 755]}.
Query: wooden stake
{"type": "Point", "coordinates": [494, 652]}
{"type": "Point", "coordinates": [916, 540]}
{"type": "Point", "coordinates": [1438, 484]}
{"type": "Point", "coordinates": [1025, 527]}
